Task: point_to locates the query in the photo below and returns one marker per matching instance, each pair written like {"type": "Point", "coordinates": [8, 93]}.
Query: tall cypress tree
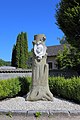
{"type": "Point", "coordinates": [22, 54]}
{"type": "Point", "coordinates": [13, 60]}
{"type": "Point", "coordinates": [25, 48]}
{"type": "Point", "coordinates": [21, 51]}
{"type": "Point", "coordinates": [17, 51]}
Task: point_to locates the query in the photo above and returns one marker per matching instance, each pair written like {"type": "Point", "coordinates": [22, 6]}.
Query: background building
{"type": "Point", "coordinates": [52, 54]}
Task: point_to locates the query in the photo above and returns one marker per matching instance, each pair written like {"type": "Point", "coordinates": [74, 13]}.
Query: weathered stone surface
{"type": "Point", "coordinates": [40, 88]}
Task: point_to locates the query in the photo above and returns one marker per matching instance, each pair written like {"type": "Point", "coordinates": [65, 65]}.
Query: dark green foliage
{"type": "Point", "coordinates": [25, 84]}
{"type": "Point", "coordinates": [17, 49]}
{"type": "Point", "coordinates": [26, 47]}
{"type": "Point", "coordinates": [29, 61]}
{"type": "Point", "coordinates": [68, 20]}
{"type": "Point", "coordinates": [20, 51]}
{"type": "Point", "coordinates": [13, 61]}
{"type": "Point", "coordinates": [13, 87]}
{"type": "Point", "coordinates": [4, 63]}
{"type": "Point", "coordinates": [69, 58]}
{"type": "Point", "coordinates": [65, 88]}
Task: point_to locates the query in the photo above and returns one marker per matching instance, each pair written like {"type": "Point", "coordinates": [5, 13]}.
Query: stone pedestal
{"type": "Point", "coordinates": [40, 88]}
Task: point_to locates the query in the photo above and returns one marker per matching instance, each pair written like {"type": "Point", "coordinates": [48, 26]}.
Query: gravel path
{"type": "Point", "coordinates": [24, 110]}
{"type": "Point", "coordinates": [19, 103]}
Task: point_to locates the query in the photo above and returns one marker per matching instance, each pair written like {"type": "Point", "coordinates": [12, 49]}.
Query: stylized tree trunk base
{"type": "Point", "coordinates": [39, 93]}
{"type": "Point", "coordinates": [40, 88]}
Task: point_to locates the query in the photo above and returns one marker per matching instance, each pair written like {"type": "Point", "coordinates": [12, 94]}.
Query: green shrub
{"type": "Point", "coordinates": [25, 83]}
{"type": "Point", "coordinates": [66, 88]}
{"type": "Point", "coordinates": [9, 88]}
{"type": "Point", "coordinates": [56, 85]}
{"type": "Point", "coordinates": [14, 86]}
{"type": "Point", "coordinates": [59, 86]}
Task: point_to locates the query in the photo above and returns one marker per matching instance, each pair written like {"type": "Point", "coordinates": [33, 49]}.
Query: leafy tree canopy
{"type": "Point", "coordinates": [68, 20]}
{"type": "Point", "coordinates": [63, 40]}
{"type": "Point", "coordinates": [69, 58]}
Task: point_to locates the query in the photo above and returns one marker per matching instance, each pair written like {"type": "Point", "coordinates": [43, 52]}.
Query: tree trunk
{"type": "Point", "coordinates": [40, 88]}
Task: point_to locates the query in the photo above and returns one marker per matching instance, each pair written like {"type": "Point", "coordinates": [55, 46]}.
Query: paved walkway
{"type": "Point", "coordinates": [21, 117]}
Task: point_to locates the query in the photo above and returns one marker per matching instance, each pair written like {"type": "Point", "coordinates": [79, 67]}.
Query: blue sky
{"type": "Point", "coordinates": [30, 16]}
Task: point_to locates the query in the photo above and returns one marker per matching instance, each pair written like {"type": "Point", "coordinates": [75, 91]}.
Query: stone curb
{"type": "Point", "coordinates": [43, 112]}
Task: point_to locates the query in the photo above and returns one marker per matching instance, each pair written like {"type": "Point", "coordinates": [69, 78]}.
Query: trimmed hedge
{"type": "Point", "coordinates": [25, 85]}
{"type": "Point", "coordinates": [14, 86]}
{"type": "Point", "coordinates": [59, 86]}
{"type": "Point", "coordinates": [65, 88]}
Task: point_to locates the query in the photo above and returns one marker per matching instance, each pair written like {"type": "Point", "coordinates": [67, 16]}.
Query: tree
{"type": "Point", "coordinates": [25, 48]}
{"type": "Point", "coordinates": [13, 61]}
{"type": "Point", "coordinates": [29, 61]}
{"type": "Point", "coordinates": [68, 20]}
{"type": "Point", "coordinates": [4, 63]}
{"type": "Point", "coordinates": [69, 58]}
{"type": "Point", "coordinates": [63, 40]}
{"type": "Point", "coordinates": [20, 51]}
{"type": "Point", "coordinates": [17, 49]}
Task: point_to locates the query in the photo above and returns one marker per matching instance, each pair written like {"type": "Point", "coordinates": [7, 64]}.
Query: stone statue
{"type": "Point", "coordinates": [40, 88]}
